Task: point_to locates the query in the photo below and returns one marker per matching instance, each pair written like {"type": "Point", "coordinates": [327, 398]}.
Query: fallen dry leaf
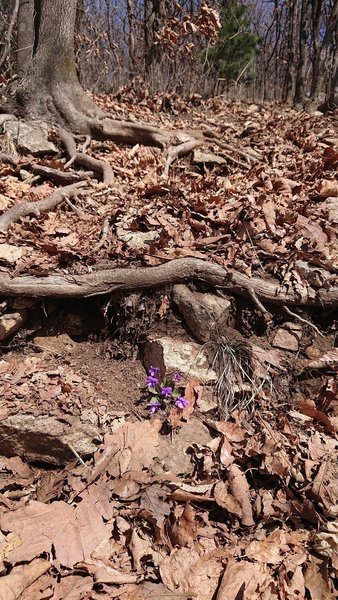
{"type": "Point", "coordinates": [245, 580]}
{"type": "Point", "coordinates": [239, 488]}
{"type": "Point", "coordinates": [21, 577]}
{"type": "Point", "coordinates": [308, 408]}
{"type": "Point", "coordinates": [185, 571]}
{"type": "Point", "coordinates": [75, 532]}
{"type": "Point", "coordinates": [183, 531]}
{"type": "Point", "coordinates": [131, 447]}
{"type": "Point", "coordinates": [227, 500]}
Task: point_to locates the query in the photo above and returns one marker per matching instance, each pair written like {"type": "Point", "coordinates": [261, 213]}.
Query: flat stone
{"type": "Point", "coordinates": [10, 253]}
{"type": "Point", "coordinates": [287, 339]}
{"type": "Point", "coordinates": [178, 354]}
{"type": "Point", "coordinates": [137, 239]}
{"type": "Point", "coordinates": [30, 136]}
{"type": "Point", "coordinates": [199, 157]}
{"type": "Point", "coordinates": [200, 311]}
{"type": "Point", "coordinates": [11, 322]}
{"type": "Point", "coordinates": [58, 344]}
{"type": "Point", "coordinates": [46, 439]}
{"type": "Point", "coordinates": [172, 452]}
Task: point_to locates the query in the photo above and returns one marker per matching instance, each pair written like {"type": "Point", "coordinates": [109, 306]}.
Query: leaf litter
{"type": "Point", "coordinates": [255, 515]}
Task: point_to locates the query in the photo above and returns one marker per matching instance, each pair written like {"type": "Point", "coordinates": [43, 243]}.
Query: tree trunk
{"type": "Point", "coordinates": [25, 36]}
{"type": "Point", "coordinates": [317, 6]}
{"type": "Point", "coordinates": [50, 90]}
{"type": "Point", "coordinates": [289, 83]}
{"type": "Point", "coordinates": [51, 87]}
{"type": "Point", "coordinates": [131, 38]}
{"type": "Point", "coordinates": [154, 14]}
{"type": "Point", "coordinates": [301, 66]}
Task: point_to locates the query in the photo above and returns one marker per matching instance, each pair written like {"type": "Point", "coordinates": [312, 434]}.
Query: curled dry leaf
{"type": "Point", "coordinates": [239, 488]}
{"type": "Point", "coordinates": [328, 188]}
{"type": "Point", "coordinates": [227, 500]}
{"type": "Point", "coordinates": [249, 581]}
{"type": "Point", "coordinates": [308, 407]}
{"type": "Point", "coordinates": [183, 531]}
{"type": "Point", "coordinates": [325, 542]}
{"type": "Point", "coordinates": [22, 576]}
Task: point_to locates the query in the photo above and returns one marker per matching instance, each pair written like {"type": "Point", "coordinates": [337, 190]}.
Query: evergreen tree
{"type": "Point", "coordinates": [236, 44]}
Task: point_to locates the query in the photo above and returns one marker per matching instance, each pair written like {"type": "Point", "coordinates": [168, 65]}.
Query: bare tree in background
{"type": "Point", "coordinates": [166, 45]}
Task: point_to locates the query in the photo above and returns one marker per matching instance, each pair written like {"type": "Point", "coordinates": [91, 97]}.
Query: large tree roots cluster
{"type": "Point", "coordinates": [89, 120]}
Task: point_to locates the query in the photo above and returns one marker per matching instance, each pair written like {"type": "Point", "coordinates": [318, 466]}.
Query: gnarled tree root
{"type": "Point", "coordinates": [28, 208]}
{"type": "Point", "coordinates": [176, 271]}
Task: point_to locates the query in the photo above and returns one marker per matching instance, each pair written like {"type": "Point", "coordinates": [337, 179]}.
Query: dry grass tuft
{"type": "Point", "coordinates": [237, 385]}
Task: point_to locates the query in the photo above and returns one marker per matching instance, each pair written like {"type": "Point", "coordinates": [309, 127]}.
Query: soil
{"type": "Point", "coordinates": [116, 384]}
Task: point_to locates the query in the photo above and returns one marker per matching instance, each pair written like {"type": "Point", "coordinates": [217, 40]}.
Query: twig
{"type": "Point", "coordinates": [301, 319]}
{"type": "Point", "coordinates": [76, 454]}
{"type": "Point", "coordinates": [267, 316]}
{"type": "Point", "coordinates": [250, 155]}
{"type": "Point", "coordinates": [235, 160]}
{"type": "Point", "coordinates": [75, 209]}
{"type": "Point", "coordinates": [104, 234]}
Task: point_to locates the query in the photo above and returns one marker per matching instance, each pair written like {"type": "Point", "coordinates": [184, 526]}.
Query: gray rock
{"type": "Point", "coordinates": [178, 354]}
{"type": "Point", "coordinates": [10, 253]}
{"type": "Point", "coordinates": [136, 239]}
{"type": "Point", "coordinates": [11, 322]}
{"type": "Point", "coordinates": [209, 158]}
{"type": "Point", "coordinates": [200, 311]}
{"type": "Point", "coordinates": [173, 453]}
{"type": "Point", "coordinates": [59, 344]}
{"type": "Point", "coordinates": [30, 136]}
{"type": "Point", "coordinates": [288, 336]}
{"type": "Point", "coordinates": [45, 438]}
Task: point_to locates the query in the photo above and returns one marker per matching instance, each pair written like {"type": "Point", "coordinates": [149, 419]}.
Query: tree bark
{"type": "Point", "coordinates": [51, 87]}
{"type": "Point", "coordinates": [25, 36]}
{"type": "Point", "coordinates": [176, 271]}
{"type": "Point", "coordinates": [302, 54]}
{"type": "Point", "coordinates": [154, 14]}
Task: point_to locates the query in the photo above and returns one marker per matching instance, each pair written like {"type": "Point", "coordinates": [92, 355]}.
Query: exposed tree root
{"type": "Point", "coordinates": [76, 112]}
{"type": "Point", "coordinates": [59, 177]}
{"type": "Point", "coordinates": [175, 152]}
{"type": "Point", "coordinates": [176, 271]}
{"type": "Point", "coordinates": [28, 208]}
{"type": "Point", "coordinates": [7, 117]}
{"type": "Point", "coordinates": [83, 160]}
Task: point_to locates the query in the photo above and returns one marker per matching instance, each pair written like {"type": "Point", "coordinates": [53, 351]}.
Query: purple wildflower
{"type": "Point", "coordinates": [152, 381]}
{"type": "Point", "coordinates": [181, 402]}
{"type": "Point", "coordinates": [153, 371]}
{"type": "Point", "coordinates": [154, 406]}
{"type": "Point", "coordinates": [178, 377]}
{"type": "Point", "coordinates": [166, 391]}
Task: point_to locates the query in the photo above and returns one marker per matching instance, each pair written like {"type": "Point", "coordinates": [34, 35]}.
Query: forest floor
{"type": "Point", "coordinates": [213, 509]}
